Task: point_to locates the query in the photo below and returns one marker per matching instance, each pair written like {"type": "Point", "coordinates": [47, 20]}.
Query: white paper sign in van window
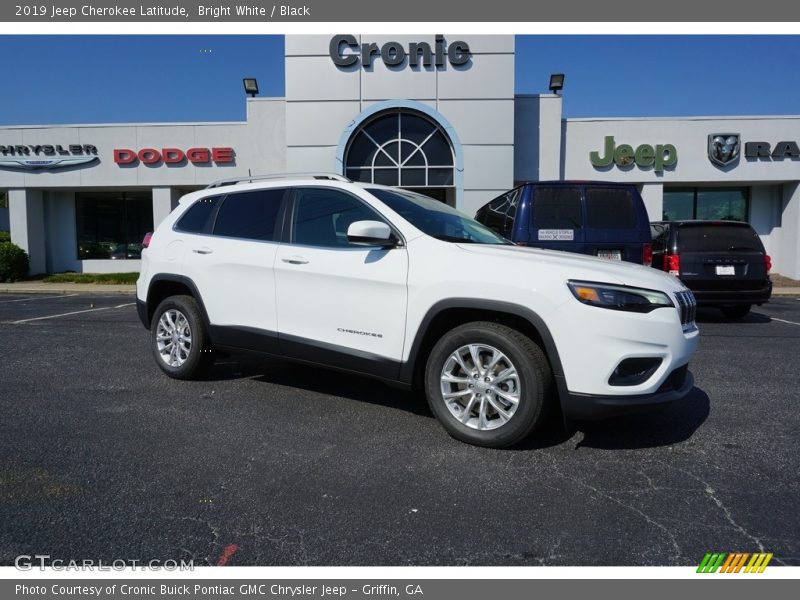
{"type": "Point", "coordinates": [556, 235]}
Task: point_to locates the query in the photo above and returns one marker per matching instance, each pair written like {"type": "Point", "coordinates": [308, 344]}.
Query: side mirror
{"type": "Point", "coordinates": [370, 233]}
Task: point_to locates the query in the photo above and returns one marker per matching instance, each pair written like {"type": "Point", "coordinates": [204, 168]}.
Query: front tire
{"type": "Point", "coordinates": [488, 384]}
{"type": "Point", "coordinates": [180, 340]}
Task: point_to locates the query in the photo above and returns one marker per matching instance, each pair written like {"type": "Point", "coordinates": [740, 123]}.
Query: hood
{"type": "Point", "coordinates": [575, 266]}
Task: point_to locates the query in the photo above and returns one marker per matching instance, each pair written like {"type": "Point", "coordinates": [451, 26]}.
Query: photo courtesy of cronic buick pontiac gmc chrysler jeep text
{"type": "Point", "coordinates": [389, 283]}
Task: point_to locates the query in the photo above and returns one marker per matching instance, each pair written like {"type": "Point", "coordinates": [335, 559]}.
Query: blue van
{"type": "Point", "coordinates": [602, 219]}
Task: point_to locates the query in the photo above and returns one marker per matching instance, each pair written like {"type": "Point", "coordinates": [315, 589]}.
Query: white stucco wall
{"type": "Point", "coordinates": [477, 99]}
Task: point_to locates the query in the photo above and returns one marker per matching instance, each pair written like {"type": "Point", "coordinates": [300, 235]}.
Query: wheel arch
{"type": "Point", "coordinates": [446, 314]}
{"type": "Point", "coordinates": [164, 286]}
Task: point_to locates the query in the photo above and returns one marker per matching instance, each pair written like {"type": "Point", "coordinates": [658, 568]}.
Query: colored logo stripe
{"type": "Point", "coordinates": [734, 562]}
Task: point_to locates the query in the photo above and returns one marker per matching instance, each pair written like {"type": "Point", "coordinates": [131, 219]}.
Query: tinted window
{"type": "Point", "coordinates": [610, 208]}
{"type": "Point", "coordinates": [249, 215]}
{"type": "Point", "coordinates": [494, 216]}
{"type": "Point", "coordinates": [512, 207]}
{"type": "Point", "coordinates": [322, 217]}
{"type": "Point", "coordinates": [556, 208]}
{"type": "Point", "coordinates": [660, 234]}
{"type": "Point", "coordinates": [716, 238]}
{"type": "Point", "coordinates": [196, 218]}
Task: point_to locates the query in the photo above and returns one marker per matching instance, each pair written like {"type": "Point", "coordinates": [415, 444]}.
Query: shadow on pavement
{"type": "Point", "coordinates": [713, 315]}
{"type": "Point", "coordinates": [664, 427]}
{"type": "Point", "coordinates": [321, 381]}
{"type": "Point", "coordinates": [660, 427]}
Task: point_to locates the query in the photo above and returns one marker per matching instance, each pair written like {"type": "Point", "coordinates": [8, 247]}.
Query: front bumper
{"type": "Point", "coordinates": [593, 407]}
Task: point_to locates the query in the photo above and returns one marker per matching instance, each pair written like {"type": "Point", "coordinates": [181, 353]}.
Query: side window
{"type": "Point", "coordinates": [196, 218]}
{"type": "Point", "coordinates": [556, 208]}
{"type": "Point", "coordinates": [511, 214]}
{"type": "Point", "coordinates": [250, 215]}
{"type": "Point", "coordinates": [659, 234]}
{"type": "Point", "coordinates": [322, 216]}
{"type": "Point", "coordinates": [610, 208]}
{"type": "Point", "coordinates": [499, 214]}
{"type": "Point", "coordinates": [494, 216]}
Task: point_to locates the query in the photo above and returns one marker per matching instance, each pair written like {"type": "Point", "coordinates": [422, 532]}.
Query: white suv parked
{"type": "Point", "coordinates": [389, 283]}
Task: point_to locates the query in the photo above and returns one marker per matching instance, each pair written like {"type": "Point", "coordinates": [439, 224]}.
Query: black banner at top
{"type": "Point", "coordinates": [359, 11]}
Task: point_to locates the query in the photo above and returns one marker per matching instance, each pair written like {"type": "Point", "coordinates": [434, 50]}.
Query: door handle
{"type": "Point", "coordinates": [203, 250]}
{"type": "Point", "coordinates": [295, 260]}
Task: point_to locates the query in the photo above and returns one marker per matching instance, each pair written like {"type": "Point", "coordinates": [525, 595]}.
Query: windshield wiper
{"type": "Point", "coordinates": [740, 248]}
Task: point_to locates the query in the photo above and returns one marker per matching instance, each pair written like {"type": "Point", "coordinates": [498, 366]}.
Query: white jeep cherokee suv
{"type": "Point", "coordinates": [388, 283]}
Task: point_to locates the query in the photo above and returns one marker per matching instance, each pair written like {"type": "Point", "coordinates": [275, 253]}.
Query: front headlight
{"type": "Point", "coordinates": [619, 297]}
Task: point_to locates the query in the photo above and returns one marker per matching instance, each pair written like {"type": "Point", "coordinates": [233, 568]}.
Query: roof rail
{"type": "Point", "coordinates": [252, 178]}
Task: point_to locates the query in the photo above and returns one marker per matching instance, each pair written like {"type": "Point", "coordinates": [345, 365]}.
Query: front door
{"type": "Point", "coordinates": [338, 303]}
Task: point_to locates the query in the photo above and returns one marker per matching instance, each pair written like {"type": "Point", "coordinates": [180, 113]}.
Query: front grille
{"type": "Point", "coordinates": [687, 308]}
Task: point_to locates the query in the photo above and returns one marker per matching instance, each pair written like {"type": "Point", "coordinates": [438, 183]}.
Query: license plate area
{"type": "Point", "coordinates": [725, 270]}
{"type": "Point", "coordinates": [609, 254]}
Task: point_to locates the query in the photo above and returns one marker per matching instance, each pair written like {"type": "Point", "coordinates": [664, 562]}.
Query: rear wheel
{"type": "Point", "coordinates": [738, 311]}
{"type": "Point", "coordinates": [179, 339]}
{"type": "Point", "coordinates": [488, 384]}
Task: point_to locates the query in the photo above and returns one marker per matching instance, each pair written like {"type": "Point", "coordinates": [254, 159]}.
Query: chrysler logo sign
{"type": "Point", "coordinates": [46, 156]}
{"type": "Point", "coordinates": [345, 51]}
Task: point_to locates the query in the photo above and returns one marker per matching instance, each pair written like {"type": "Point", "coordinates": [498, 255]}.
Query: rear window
{"type": "Point", "coordinates": [610, 208]}
{"type": "Point", "coordinates": [715, 238]}
{"type": "Point", "coordinates": [196, 218]}
{"type": "Point", "coordinates": [556, 208]}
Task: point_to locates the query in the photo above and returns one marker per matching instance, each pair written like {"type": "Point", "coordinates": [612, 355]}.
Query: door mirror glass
{"type": "Point", "coordinates": [370, 233]}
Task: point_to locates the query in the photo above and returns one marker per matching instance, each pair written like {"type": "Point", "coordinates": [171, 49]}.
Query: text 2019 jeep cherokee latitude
{"type": "Point", "coordinates": [388, 283]}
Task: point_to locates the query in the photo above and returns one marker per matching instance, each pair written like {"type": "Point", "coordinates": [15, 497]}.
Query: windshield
{"type": "Point", "coordinates": [435, 218]}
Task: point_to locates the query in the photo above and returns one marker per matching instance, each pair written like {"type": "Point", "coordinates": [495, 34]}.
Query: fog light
{"type": "Point", "coordinates": [633, 371]}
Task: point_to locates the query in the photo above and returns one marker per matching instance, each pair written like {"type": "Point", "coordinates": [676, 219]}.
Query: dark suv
{"type": "Point", "coordinates": [722, 262]}
{"type": "Point", "coordinates": [602, 219]}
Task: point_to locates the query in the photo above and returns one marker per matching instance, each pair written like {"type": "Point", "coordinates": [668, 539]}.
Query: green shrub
{"type": "Point", "coordinates": [107, 278]}
{"type": "Point", "coordinates": [13, 262]}
{"type": "Point", "coordinates": [5, 236]}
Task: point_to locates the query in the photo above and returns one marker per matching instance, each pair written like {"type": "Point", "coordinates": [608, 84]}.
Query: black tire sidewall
{"type": "Point", "coordinates": [199, 354]}
{"type": "Point", "coordinates": [531, 409]}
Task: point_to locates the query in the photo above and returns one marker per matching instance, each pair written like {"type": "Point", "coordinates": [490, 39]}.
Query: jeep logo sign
{"type": "Point", "coordinates": [345, 51]}
{"type": "Point", "coordinates": [658, 157]}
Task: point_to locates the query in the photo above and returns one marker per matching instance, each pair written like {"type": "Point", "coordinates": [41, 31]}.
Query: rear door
{"type": "Point", "coordinates": [233, 268]}
{"type": "Point", "coordinates": [616, 223]}
{"type": "Point", "coordinates": [720, 256]}
{"type": "Point", "coordinates": [555, 219]}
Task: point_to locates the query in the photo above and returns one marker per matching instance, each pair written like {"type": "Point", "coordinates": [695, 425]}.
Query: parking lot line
{"type": "Point", "coordinates": [76, 312]}
{"type": "Point", "coordinates": [31, 299]}
{"type": "Point", "coordinates": [784, 321]}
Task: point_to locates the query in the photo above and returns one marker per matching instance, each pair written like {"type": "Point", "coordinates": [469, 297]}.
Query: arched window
{"type": "Point", "coordinates": [403, 148]}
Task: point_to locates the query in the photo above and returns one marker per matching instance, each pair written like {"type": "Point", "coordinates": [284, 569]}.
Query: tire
{"type": "Point", "coordinates": [738, 311]}
{"type": "Point", "coordinates": [190, 360]}
{"type": "Point", "coordinates": [469, 413]}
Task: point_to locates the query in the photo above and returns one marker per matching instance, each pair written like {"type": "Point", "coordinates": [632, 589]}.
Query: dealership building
{"type": "Point", "coordinates": [433, 113]}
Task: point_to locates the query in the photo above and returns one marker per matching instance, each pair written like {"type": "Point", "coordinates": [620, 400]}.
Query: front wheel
{"type": "Point", "coordinates": [179, 339]}
{"type": "Point", "coordinates": [488, 384]}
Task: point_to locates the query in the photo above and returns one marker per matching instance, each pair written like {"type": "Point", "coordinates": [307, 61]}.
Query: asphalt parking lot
{"type": "Point", "coordinates": [269, 463]}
